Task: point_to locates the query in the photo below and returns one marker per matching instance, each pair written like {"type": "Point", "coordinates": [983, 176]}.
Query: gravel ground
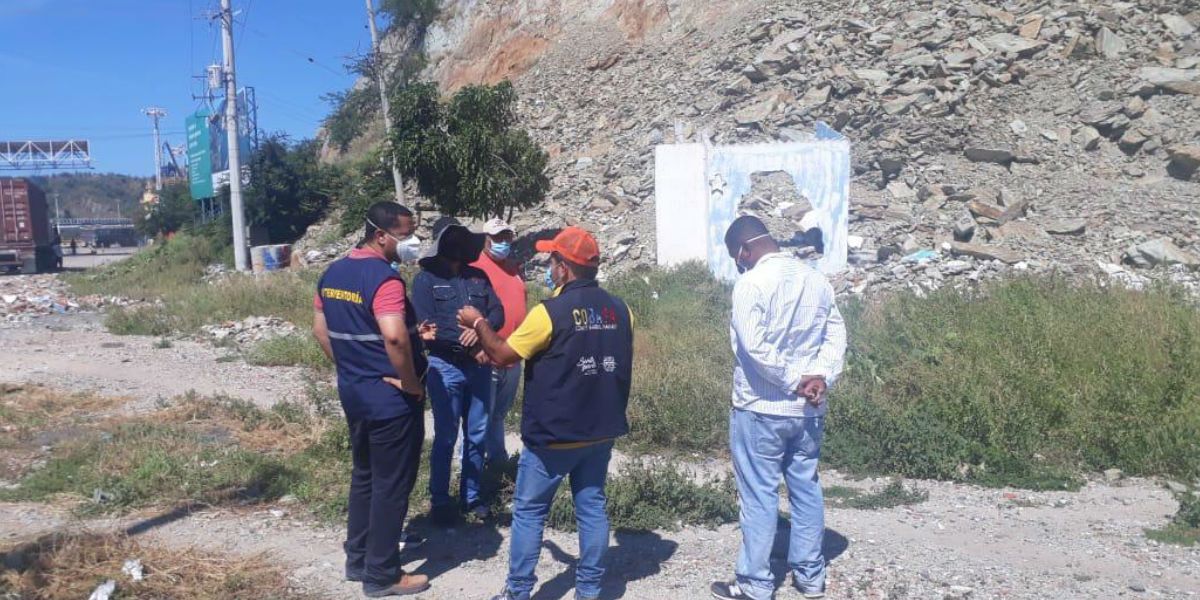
{"type": "Point", "coordinates": [963, 541]}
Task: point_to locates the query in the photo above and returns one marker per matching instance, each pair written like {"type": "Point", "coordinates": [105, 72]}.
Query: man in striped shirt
{"type": "Point", "coordinates": [789, 343]}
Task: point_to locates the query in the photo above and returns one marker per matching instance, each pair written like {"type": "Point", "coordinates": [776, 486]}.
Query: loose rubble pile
{"type": "Point", "coordinates": [248, 331]}
{"type": "Point", "coordinates": [25, 297]}
{"type": "Point", "coordinates": [1041, 136]}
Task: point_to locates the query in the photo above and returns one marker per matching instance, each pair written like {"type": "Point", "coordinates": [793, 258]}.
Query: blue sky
{"type": "Point", "coordinates": [86, 68]}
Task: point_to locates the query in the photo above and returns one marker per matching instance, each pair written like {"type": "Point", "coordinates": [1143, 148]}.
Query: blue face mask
{"type": "Point", "coordinates": [550, 278]}
{"type": "Point", "coordinates": [396, 267]}
{"type": "Point", "coordinates": [501, 250]}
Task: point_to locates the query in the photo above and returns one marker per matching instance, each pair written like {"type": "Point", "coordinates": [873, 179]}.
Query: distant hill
{"type": "Point", "coordinates": [83, 195]}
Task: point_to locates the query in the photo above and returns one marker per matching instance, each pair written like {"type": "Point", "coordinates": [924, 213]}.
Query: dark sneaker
{"type": "Point", "coordinates": [354, 576]}
{"type": "Point", "coordinates": [481, 512]}
{"type": "Point", "coordinates": [728, 590]}
{"type": "Point", "coordinates": [445, 516]}
{"type": "Point", "coordinates": [411, 541]}
{"type": "Point", "coordinates": [408, 585]}
{"type": "Point", "coordinates": [504, 595]}
{"type": "Point", "coordinates": [815, 592]}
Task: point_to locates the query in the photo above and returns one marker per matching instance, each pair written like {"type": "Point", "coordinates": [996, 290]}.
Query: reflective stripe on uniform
{"type": "Point", "coordinates": [350, 337]}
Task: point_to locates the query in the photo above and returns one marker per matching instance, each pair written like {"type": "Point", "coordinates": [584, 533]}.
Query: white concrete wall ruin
{"type": "Point", "coordinates": [698, 188]}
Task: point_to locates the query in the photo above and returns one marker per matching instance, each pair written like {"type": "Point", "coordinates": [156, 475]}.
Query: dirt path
{"type": "Point", "coordinates": [963, 541]}
{"type": "Point", "coordinates": [997, 544]}
{"type": "Point", "coordinates": [73, 352]}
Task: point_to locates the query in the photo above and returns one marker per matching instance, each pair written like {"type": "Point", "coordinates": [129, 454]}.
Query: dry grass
{"type": "Point", "coordinates": [25, 408]}
{"type": "Point", "coordinates": [285, 428]}
{"type": "Point", "coordinates": [33, 417]}
{"type": "Point", "coordinates": [69, 566]}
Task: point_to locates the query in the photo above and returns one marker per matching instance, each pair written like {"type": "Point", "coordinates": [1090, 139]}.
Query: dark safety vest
{"type": "Point", "coordinates": [347, 290]}
{"type": "Point", "coordinates": [578, 388]}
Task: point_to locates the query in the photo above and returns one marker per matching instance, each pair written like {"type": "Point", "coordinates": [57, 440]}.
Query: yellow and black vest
{"type": "Point", "coordinates": [577, 389]}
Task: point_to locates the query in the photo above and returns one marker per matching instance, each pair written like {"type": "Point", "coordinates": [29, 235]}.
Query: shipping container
{"type": "Point", "coordinates": [26, 237]}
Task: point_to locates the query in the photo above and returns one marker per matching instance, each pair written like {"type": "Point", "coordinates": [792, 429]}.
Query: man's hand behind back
{"type": "Point", "coordinates": [813, 388]}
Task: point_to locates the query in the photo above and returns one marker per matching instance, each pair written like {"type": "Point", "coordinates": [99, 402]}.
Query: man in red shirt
{"type": "Point", "coordinates": [505, 275]}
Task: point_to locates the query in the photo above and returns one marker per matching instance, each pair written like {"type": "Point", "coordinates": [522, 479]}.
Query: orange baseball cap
{"type": "Point", "coordinates": [574, 244]}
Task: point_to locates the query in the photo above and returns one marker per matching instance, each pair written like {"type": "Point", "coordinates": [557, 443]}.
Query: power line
{"type": "Point", "coordinates": [299, 110]}
{"type": "Point", "coordinates": [307, 56]}
{"type": "Point", "coordinates": [245, 19]}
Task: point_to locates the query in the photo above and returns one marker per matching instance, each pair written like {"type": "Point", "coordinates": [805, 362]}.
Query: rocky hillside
{"type": "Point", "coordinates": [1040, 135]}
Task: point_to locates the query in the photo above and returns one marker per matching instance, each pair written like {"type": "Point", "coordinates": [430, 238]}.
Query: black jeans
{"type": "Point", "coordinates": [387, 454]}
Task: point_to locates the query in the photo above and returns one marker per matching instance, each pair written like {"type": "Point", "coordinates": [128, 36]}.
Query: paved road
{"type": "Point", "coordinates": [85, 260]}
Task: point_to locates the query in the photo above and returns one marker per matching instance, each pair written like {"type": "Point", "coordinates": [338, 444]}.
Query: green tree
{"type": "Point", "coordinates": [404, 12]}
{"type": "Point", "coordinates": [468, 155]}
{"type": "Point", "coordinates": [175, 210]}
{"type": "Point", "coordinates": [289, 189]}
{"type": "Point", "coordinates": [366, 182]}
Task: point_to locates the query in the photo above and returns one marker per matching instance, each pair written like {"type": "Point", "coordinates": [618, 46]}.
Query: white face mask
{"type": "Point", "coordinates": [743, 268]}
{"type": "Point", "coordinates": [407, 249]}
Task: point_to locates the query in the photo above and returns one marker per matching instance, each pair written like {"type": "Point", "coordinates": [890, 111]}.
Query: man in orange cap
{"type": "Point", "coordinates": [578, 352]}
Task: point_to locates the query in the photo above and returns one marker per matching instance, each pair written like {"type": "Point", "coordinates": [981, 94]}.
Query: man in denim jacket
{"type": "Point", "coordinates": [460, 375]}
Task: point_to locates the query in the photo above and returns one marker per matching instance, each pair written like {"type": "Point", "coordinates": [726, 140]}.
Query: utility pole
{"type": "Point", "coordinates": [380, 78]}
{"type": "Point", "coordinates": [156, 113]}
{"type": "Point", "coordinates": [57, 217]}
{"type": "Point", "coordinates": [231, 129]}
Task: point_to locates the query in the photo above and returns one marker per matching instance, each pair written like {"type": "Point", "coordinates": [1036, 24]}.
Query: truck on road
{"type": "Point", "coordinates": [26, 238]}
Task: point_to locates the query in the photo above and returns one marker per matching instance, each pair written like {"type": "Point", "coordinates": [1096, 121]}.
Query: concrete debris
{"type": "Point", "coordinates": [134, 570]}
{"type": "Point", "coordinates": [28, 296]}
{"type": "Point", "coordinates": [249, 331]}
{"type": "Point", "coordinates": [104, 591]}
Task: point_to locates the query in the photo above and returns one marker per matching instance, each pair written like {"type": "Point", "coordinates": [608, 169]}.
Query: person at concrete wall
{"type": "Point", "coordinates": [578, 352]}
{"type": "Point", "coordinates": [460, 376]}
{"type": "Point", "coordinates": [504, 272]}
{"type": "Point", "coordinates": [365, 324]}
{"type": "Point", "coordinates": [789, 343]}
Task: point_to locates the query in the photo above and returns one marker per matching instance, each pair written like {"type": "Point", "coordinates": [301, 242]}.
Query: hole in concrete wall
{"type": "Point", "coordinates": [773, 197]}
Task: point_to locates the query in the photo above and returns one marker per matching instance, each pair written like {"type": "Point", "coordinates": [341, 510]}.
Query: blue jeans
{"type": "Point", "coordinates": [504, 389]}
{"type": "Point", "coordinates": [538, 475]}
{"type": "Point", "coordinates": [764, 448]}
{"type": "Point", "coordinates": [459, 393]}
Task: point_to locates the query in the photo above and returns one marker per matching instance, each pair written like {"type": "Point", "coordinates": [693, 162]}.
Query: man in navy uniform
{"type": "Point", "coordinates": [365, 325]}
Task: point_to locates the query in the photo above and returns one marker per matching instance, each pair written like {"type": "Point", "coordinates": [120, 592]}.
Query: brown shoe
{"type": "Point", "coordinates": [408, 585]}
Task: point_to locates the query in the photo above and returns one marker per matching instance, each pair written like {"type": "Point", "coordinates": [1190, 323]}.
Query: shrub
{"type": "Point", "coordinates": [1184, 528]}
{"type": "Point", "coordinates": [682, 361]}
{"type": "Point", "coordinates": [295, 350]}
{"type": "Point", "coordinates": [1022, 382]}
{"type": "Point", "coordinates": [890, 496]}
{"type": "Point", "coordinates": [646, 497]}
